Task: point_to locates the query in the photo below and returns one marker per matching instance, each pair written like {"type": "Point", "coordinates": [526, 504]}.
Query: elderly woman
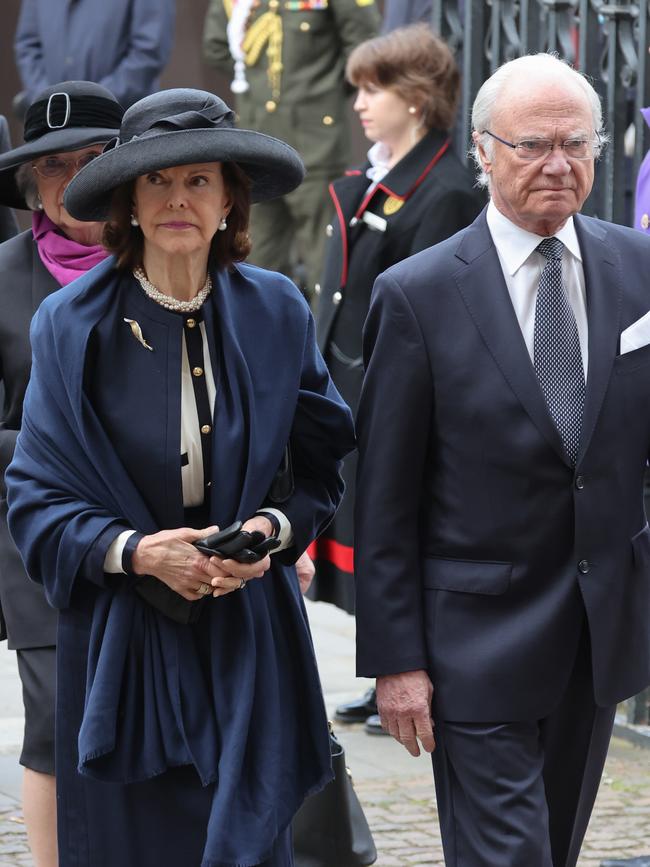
{"type": "Point", "coordinates": [174, 390]}
{"type": "Point", "coordinates": [66, 126]}
{"type": "Point", "coordinates": [411, 193]}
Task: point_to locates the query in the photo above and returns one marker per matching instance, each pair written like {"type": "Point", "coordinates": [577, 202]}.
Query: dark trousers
{"type": "Point", "coordinates": [520, 794]}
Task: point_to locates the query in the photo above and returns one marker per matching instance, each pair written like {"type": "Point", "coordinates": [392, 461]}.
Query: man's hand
{"type": "Point", "coordinates": [404, 703]}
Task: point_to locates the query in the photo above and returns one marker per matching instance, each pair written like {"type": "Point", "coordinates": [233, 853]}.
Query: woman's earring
{"type": "Point", "coordinates": [39, 204]}
{"type": "Point", "coordinates": [134, 220]}
{"type": "Point", "coordinates": [412, 109]}
{"type": "Point", "coordinates": [223, 225]}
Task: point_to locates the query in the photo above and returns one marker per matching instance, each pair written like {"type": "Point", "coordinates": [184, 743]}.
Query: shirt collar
{"type": "Point", "coordinates": [378, 157]}
{"type": "Point", "coordinates": [515, 244]}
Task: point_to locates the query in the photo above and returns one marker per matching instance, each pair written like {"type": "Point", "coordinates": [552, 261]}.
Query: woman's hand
{"type": "Point", "coordinates": [305, 570]}
{"type": "Point", "coordinates": [170, 556]}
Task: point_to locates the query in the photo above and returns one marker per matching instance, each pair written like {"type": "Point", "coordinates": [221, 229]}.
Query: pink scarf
{"type": "Point", "coordinates": [64, 258]}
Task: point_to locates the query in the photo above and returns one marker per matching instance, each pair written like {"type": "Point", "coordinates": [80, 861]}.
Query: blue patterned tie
{"type": "Point", "coordinates": [556, 350]}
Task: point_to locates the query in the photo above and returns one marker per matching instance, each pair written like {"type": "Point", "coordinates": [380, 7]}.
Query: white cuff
{"type": "Point", "coordinates": [285, 536]}
{"type": "Point", "coordinates": [113, 558]}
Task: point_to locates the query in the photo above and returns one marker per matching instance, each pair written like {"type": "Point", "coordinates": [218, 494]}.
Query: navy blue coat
{"type": "Point", "coordinates": [123, 45]}
{"type": "Point", "coordinates": [235, 698]}
{"type": "Point", "coordinates": [480, 549]}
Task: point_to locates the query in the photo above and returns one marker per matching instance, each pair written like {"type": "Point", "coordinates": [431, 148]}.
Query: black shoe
{"type": "Point", "coordinates": [358, 710]}
{"type": "Point", "coordinates": [373, 726]}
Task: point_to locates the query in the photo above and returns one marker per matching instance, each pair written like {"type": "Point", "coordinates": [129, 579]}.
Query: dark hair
{"type": "Point", "coordinates": [231, 245]}
{"type": "Point", "coordinates": [417, 65]}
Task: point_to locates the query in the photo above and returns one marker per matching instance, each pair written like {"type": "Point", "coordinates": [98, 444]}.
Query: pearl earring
{"type": "Point", "coordinates": [39, 203]}
{"type": "Point", "coordinates": [412, 109]}
{"type": "Point", "coordinates": [223, 225]}
{"type": "Point", "coordinates": [134, 220]}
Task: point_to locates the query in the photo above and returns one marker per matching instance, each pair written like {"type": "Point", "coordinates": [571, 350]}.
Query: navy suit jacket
{"type": "Point", "coordinates": [480, 549]}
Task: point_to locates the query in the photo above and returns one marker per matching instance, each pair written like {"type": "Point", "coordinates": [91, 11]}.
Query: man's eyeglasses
{"type": "Point", "coordinates": [57, 167]}
{"type": "Point", "coordinates": [536, 148]}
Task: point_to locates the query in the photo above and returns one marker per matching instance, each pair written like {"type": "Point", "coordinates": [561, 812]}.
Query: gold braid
{"type": "Point", "coordinates": [266, 31]}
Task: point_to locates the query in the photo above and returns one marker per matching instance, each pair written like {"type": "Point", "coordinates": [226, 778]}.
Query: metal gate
{"type": "Point", "coordinates": [608, 41]}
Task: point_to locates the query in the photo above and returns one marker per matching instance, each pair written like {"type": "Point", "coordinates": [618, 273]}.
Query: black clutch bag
{"type": "Point", "coordinates": [172, 604]}
{"type": "Point", "coordinates": [330, 829]}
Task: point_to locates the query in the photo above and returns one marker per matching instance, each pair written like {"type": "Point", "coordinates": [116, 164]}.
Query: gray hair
{"type": "Point", "coordinates": [530, 65]}
{"type": "Point", "coordinates": [27, 187]}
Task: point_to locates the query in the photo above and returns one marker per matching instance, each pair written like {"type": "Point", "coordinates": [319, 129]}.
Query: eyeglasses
{"type": "Point", "coordinates": [537, 148]}
{"type": "Point", "coordinates": [56, 167]}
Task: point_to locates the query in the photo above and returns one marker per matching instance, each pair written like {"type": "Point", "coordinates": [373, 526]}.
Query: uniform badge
{"type": "Point", "coordinates": [645, 221]}
{"type": "Point", "coordinates": [392, 204]}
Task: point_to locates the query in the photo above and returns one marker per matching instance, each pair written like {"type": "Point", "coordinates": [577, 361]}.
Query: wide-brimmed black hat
{"type": "Point", "coordinates": [179, 127]}
{"type": "Point", "coordinates": [63, 117]}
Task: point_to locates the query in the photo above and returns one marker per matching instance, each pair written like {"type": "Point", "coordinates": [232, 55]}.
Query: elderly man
{"type": "Point", "coordinates": [503, 552]}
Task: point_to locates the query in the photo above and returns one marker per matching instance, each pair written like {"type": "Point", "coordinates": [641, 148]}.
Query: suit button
{"type": "Point", "coordinates": [317, 289]}
{"type": "Point", "coordinates": [337, 298]}
{"type": "Point", "coordinates": [328, 120]}
{"type": "Point", "coordinates": [197, 371]}
{"type": "Point", "coordinates": [206, 428]}
{"type": "Point", "coordinates": [305, 26]}
{"type": "Point", "coordinates": [271, 106]}
{"type": "Point", "coordinates": [580, 482]}
{"type": "Point", "coordinates": [190, 323]}
{"type": "Point", "coordinates": [583, 566]}
{"type": "Point", "coordinates": [353, 222]}
{"type": "Point", "coordinates": [329, 230]}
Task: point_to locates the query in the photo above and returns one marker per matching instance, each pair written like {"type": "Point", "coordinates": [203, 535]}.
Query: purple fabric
{"type": "Point", "coordinates": [642, 196]}
{"type": "Point", "coordinates": [64, 258]}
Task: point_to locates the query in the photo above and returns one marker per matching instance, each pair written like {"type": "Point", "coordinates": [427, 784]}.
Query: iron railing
{"type": "Point", "coordinates": [606, 40]}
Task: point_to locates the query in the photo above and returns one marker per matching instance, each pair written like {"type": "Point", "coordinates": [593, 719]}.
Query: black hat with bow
{"type": "Point", "coordinates": [180, 127]}
{"type": "Point", "coordinates": [63, 117]}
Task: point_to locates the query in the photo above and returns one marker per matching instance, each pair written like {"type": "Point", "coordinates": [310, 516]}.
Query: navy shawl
{"type": "Point", "coordinates": [252, 721]}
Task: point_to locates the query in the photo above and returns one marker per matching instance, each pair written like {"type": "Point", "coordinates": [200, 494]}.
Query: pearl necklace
{"type": "Point", "coordinates": [167, 301]}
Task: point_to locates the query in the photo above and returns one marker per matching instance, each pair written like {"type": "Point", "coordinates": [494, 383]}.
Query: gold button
{"type": "Point", "coordinates": [645, 221]}
{"type": "Point", "coordinates": [271, 105]}
{"type": "Point", "coordinates": [197, 371]}
{"type": "Point", "coordinates": [206, 428]}
{"type": "Point", "coordinates": [328, 120]}
{"type": "Point", "coordinates": [190, 323]}
{"type": "Point", "coordinates": [337, 298]}
{"type": "Point", "coordinates": [305, 26]}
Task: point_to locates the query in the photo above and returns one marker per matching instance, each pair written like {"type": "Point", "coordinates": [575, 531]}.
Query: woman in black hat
{"type": "Point", "coordinates": [174, 390]}
{"type": "Point", "coordinates": [66, 126]}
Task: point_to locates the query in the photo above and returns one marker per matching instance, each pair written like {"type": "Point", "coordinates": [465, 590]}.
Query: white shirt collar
{"type": "Point", "coordinates": [378, 157]}
{"type": "Point", "coordinates": [515, 244]}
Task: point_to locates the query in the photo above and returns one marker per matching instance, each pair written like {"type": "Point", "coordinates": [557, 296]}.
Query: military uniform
{"type": "Point", "coordinates": [295, 63]}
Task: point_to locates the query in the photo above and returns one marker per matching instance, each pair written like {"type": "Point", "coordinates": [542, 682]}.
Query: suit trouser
{"type": "Point", "coordinates": [291, 229]}
{"type": "Point", "coordinates": [520, 794]}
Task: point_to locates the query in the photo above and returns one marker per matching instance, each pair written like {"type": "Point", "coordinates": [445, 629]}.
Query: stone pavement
{"type": "Point", "coordinates": [395, 789]}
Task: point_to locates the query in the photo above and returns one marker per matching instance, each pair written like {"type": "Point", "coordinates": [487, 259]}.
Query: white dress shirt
{"type": "Point", "coordinates": [192, 473]}
{"type": "Point", "coordinates": [522, 266]}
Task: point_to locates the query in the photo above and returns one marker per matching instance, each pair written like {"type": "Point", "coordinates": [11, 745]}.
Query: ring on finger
{"type": "Point", "coordinates": [242, 584]}
{"type": "Point", "coordinates": [204, 589]}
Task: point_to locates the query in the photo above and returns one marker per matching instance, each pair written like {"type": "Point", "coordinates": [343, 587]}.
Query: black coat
{"type": "Point", "coordinates": [25, 282]}
{"type": "Point", "coordinates": [8, 224]}
{"type": "Point", "coordinates": [428, 196]}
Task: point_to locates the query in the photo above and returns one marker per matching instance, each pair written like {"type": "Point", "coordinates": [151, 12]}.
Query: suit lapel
{"type": "Point", "coordinates": [603, 284]}
{"type": "Point", "coordinates": [485, 294]}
